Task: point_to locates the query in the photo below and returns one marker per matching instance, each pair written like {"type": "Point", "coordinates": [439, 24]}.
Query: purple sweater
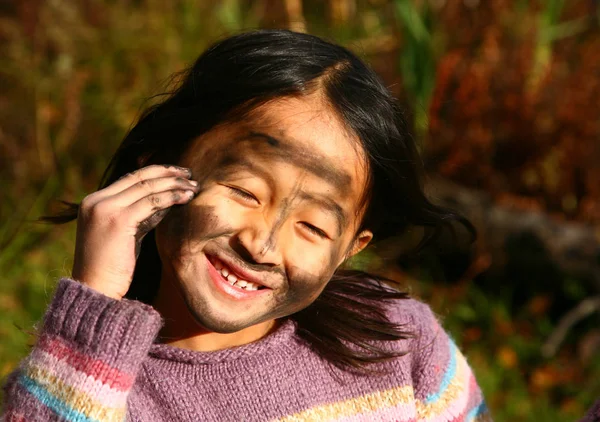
{"type": "Point", "coordinates": [97, 360]}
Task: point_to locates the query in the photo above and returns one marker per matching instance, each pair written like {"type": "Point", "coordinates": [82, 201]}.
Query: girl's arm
{"type": "Point", "coordinates": [85, 362]}
{"type": "Point", "coordinates": [445, 386]}
{"type": "Point", "coordinates": [93, 342]}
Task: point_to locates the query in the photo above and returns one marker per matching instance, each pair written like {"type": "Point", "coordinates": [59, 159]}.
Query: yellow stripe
{"type": "Point", "coordinates": [456, 388]}
{"type": "Point", "coordinates": [368, 403]}
{"type": "Point", "coordinates": [389, 398]}
{"type": "Point", "coordinates": [73, 398]}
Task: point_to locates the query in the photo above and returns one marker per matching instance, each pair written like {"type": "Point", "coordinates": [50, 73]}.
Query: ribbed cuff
{"type": "Point", "coordinates": [119, 332]}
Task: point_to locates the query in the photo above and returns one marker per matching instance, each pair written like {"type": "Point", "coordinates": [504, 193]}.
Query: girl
{"type": "Point", "coordinates": [206, 282]}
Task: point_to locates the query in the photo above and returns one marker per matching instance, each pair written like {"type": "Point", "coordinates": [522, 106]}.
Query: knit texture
{"type": "Point", "coordinates": [593, 414]}
{"type": "Point", "coordinates": [97, 360]}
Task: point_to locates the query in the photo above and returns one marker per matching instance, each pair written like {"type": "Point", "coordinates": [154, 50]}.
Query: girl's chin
{"type": "Point", "coordinates": [216, 320]}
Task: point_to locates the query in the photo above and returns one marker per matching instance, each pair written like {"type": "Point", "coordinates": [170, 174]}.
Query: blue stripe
{"type": "Point", "coordinates": [58, 406]}
{"type": "Point", "coordinates": [448, 375]}
{"type": "Point", "coordinates": [476, 411]}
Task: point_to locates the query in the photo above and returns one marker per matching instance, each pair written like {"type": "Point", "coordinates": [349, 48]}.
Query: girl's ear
{"type": "Point", "coordinates": [360, 242]}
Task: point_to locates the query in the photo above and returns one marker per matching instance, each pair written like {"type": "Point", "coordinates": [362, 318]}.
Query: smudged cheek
{"type": "Point", "coordinates": [186, 229]}
{"type": "Point", "coordinates": [306, 280]}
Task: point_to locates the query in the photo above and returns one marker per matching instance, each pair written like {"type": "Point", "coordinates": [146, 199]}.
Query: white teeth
{"type": "Point", "coordinates": [251, 286]}
{"type": "Point", "coordinates": [233, 280]}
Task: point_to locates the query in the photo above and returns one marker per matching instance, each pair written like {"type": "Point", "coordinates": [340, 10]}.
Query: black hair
{"type": "Point", "coordinates": [234, 76]}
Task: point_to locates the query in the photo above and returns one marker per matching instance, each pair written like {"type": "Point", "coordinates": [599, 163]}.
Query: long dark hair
{"type": "Point", "coordinates": [348, 320]}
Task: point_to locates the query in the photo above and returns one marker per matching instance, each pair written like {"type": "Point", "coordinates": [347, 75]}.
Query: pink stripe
{"type": "Point", "coordinates": [472, 387]}
{"type": "Point", "coordinates": [95, 368]}
{"type": "Point", "coordinates": [404, 412]}
{"type": "Point", "coordinates": [95, 389]}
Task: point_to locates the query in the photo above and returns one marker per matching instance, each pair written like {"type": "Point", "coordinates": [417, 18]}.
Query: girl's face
{"type": "Point", "coordinates": [280, 204]}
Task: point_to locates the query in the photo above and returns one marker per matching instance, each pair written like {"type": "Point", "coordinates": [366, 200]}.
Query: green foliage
{"type": "Point", "coordinates": [417, 58]}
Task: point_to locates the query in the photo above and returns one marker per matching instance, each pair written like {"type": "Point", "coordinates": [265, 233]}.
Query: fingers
{"type": "Point", "coordinates": [140, 206]}
{"type": "Point", "coordinates": [150, 210]}
{"type": "Point", "coordinates": [150, 172]}
{"type": "Point", "coordinates": [154, 190]}
{"type": "Point", "coordinates": [143, 200]}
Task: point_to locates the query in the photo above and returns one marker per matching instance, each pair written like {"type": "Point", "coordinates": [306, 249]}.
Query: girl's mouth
{"type": "Point", "coordinates": [233, 279]}
{"type": "Point", "coordinates": [229, 283]}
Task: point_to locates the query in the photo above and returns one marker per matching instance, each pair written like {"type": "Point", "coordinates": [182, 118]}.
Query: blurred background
{"type": "Point", "coordinates": [504, 98]}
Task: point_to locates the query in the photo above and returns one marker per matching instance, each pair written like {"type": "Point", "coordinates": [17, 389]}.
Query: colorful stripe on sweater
{"type": "Point", "coordinates": [73, 385]}
{"type": "Point", "coordinates": [449, 403]}
{"type": "Point", "coordinates": [53, 369]}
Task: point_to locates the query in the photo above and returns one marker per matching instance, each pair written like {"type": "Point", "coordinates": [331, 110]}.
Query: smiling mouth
{"type": "Point", "coordinates": [233, 278]}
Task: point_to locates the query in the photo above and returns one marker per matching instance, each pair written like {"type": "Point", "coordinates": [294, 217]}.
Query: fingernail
{"type": "Point", "coordinates": [193, 183]}
{"type": "Point", "coordinates": [183, 170]}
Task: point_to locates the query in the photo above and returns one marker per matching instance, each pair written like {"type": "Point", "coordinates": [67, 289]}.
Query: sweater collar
{"type": "Point", "coordinates": [280, 338]}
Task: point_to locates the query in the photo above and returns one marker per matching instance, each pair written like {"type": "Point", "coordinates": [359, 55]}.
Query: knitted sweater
{"type": "Point", "coordinates": [97, 360]}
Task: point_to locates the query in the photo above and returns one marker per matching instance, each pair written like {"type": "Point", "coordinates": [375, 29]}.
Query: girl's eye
{"type": "Point", "coordinates": [315, 230]}
{"type": "Point", "coordinates": [247, 196]}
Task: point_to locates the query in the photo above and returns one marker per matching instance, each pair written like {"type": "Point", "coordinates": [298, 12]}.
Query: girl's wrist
{"type": "Point", "coordinates": [101, 288]}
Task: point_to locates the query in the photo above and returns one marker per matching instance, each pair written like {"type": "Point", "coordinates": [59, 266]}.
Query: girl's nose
{"type": "Point", "coordinates": [260, 243]}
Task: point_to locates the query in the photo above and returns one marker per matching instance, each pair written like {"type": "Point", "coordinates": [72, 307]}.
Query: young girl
{"type": "Point", "coordinates": [206, 283]}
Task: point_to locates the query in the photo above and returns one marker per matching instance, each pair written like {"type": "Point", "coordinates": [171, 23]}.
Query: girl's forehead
{"type": "Point", "coordinates": [307, 120]}
{"type": "Point", "coordinates": [303, 131]}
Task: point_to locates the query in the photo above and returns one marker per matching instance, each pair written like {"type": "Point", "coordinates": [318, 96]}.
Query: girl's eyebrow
{"type": "Point", "coordinates": [230, 162]}
{"type": "Point", "coordinates": [303, 158]}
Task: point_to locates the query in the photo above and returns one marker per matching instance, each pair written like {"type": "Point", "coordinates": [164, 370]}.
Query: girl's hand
{"type": "Point", "coordinates": [113, 221]}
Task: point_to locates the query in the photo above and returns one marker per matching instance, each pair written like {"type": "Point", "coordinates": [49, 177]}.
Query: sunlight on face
{"type": "Point", "coordinates": [279, 204]}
